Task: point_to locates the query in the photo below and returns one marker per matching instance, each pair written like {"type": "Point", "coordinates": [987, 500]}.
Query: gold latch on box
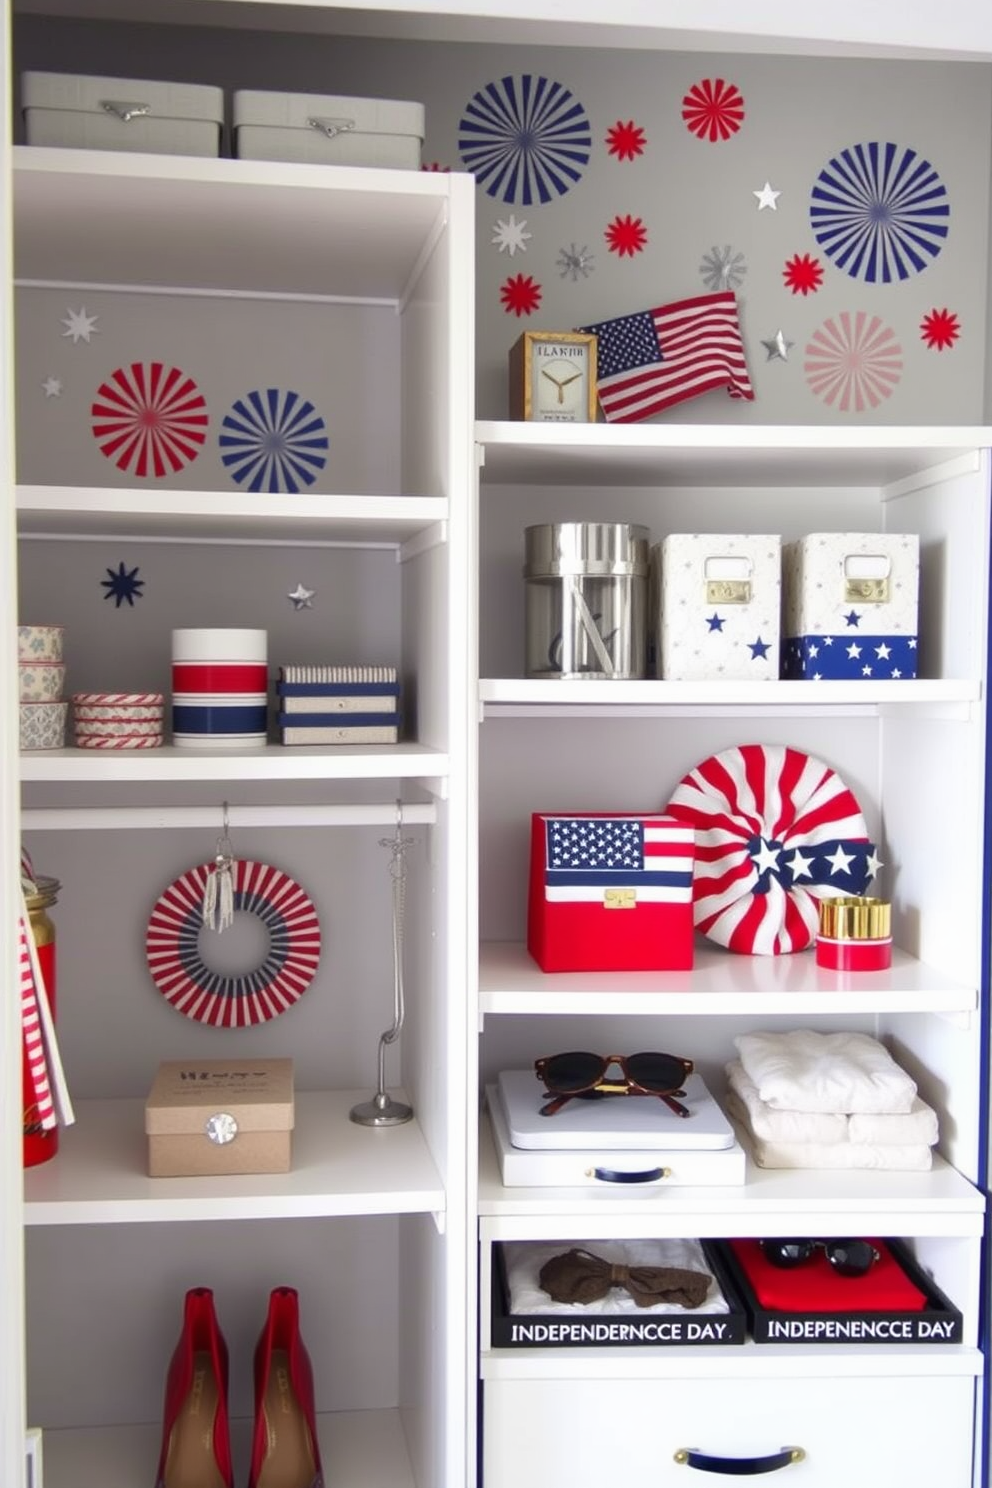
{"type": "Point", "coordinates": [728, 591]}
{"type": "Point", "coordinates": [866, 591]}
{"type": "Point", "coordinates": [620, 899]}
{"type": "Point", "coordinates": [866, 578]}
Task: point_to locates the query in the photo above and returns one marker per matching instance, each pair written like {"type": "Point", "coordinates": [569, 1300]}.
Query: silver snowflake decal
{"type": "Point", "coordinates": [510, 236]}
{"type": "Point", "coordinates": [574, 263]}
{"type": "Point", "coordinates": [722, 268]}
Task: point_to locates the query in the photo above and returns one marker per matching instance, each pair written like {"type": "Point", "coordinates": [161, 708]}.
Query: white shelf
{"type": "Point", "coordinates": [215, 515]}
{"type": "Point", "coordinates": [959, 29]}
{"type": "Point", "coordinates": [360, 1449]}
{"type": "Point", "coordinates": [237, 226]}
{"type": "Point", "coordinates": [747, 1360]}
{"type": "Point", "coordinates": [718, 454]}
{"type": "Point", "coordinates": [770, 1201]}
{"type": "Point", "coordinates": [99, 1175]}
{"type": "Point", "coordinates": [530, 697]}
{"type": "Point", "coordinates": [720, 984]}
{"type": "Point", "coordinates": [264, 762]}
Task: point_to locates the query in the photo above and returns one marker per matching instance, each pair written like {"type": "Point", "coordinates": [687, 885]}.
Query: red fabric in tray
{"type": "Point", "coordinates": [816, 1287]}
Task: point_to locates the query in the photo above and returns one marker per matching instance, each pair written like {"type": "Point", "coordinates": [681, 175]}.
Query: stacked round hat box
{"type": "Point", "coordinates": [118, 720]}
{"type": "Point", "coordinates": [41, 678]}
{"type": "Point", "coordinates": [219, 688]}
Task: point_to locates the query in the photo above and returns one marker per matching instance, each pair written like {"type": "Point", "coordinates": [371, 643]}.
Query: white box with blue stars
{"type": "Point", "coordinates": [716, 606]}
{"type": "Point", "coordinates": [850, 603]}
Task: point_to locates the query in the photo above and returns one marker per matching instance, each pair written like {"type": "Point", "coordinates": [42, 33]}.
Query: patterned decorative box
{"type": "Point", "coordinates": [610, 892]}
{"type": "Point", "coordinates": [715, 615]}
{"type": "Point", "coordinates": [850, 605]}
{"type": "Point", "coordinates": [338, 704]}
{"type": "Point", "coordinates": [213, 1116]}
{"type": "Point", "coordinates": [328, 130]}
{"type": "Point", "coordinates": [101, 113]}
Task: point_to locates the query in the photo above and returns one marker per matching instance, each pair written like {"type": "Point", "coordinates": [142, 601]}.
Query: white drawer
{"type": "Point", "coordinates": [858, 1431]}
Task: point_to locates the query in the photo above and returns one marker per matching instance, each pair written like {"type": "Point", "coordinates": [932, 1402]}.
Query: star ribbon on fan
{"type": "Point", "coordinates": [844, 864]}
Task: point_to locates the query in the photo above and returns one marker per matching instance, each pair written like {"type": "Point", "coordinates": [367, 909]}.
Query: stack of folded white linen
{"type": "Point", "coordinates": [828, 1100]}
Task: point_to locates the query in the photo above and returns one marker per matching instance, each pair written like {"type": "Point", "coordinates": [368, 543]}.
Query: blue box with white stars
{"type": "Point", "coordinates": [716, 607]}
{"type": "Point", "coordinates": [850, 606]}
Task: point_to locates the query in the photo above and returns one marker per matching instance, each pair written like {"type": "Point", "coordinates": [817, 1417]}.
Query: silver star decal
{"type": "Point", "coordinates": [53, 387]}
{"type": "Point", "coordinates": [302, 598]}
{"type": "Point", "coordinates": [574, 263]}
{"type": "Point", "coordinates": [767, 197]}
{"type": "Point", "coordinates": [79, 325]}
{"type": "Point", "coordinates": [778, 347]}
{"type": "Point", "coordinates": [722, 268]}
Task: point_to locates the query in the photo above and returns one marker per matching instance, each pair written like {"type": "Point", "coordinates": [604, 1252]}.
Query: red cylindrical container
{"type": "Point", "coordinates": [854, 935]}
{"type": "Point", "coordinates": [40, 1144]}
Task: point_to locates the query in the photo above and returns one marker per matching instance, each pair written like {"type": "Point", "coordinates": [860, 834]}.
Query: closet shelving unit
{"type": "Point", "coordinates": [914, 751]}
{"type": "Point", "coordinates": [490, 748]}
{"type": "Point", "coordinates": [396, 247]}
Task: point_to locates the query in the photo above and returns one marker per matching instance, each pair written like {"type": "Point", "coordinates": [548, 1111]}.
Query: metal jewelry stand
{"type": "Point", "coordinates": [382, 1110]}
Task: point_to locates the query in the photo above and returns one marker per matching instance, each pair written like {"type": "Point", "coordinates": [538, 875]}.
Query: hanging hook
{"type": "Point", "coordinates": [218, 891]}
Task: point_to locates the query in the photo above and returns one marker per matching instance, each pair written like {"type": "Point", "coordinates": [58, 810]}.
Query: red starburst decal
{"type": "Point", "coordinates": [149, 418]}
{"type": "Point", "coordinates": [520, 294]}
{"type": "Point", "coordinates": [803, 274]}
{"type": "Point", "coordinates": [940, 329]}
{"type": "Point", "coordinates": [713, 109]}
{"type": "Point", "coordinates": [626, 141]}
{"type": "Point", "coordinates": [434, 165]}
{"type": "Point", "coordinates": [626, 235]}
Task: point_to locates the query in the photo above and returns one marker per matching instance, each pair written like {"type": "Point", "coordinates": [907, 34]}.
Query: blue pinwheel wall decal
{"type": "Point", "coordinates": [526, 139]}
{"type": "Point", "coordinates": [880, 212]}
{"type": "Point", "coordinates": [273, 441]}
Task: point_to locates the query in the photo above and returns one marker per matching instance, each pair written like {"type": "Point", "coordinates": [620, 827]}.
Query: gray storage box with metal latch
{"type": "Point", "coordinates": [328, 130]}
{"type": "Point", "coordinates": [102, 113]}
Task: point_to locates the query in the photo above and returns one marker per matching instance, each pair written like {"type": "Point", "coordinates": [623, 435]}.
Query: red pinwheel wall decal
{"type": "Point", "coordinates": [853, 362]}
{"type": "Point", "coordinates": [149, 419]}
{"type": "Point", "coordinates": [713, 109]}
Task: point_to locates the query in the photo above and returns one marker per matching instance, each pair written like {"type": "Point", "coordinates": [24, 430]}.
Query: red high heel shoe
{"type": "Point", "coordinates": [284, 1449]}
{"type": "Point", "coordinates": [196, 1444]}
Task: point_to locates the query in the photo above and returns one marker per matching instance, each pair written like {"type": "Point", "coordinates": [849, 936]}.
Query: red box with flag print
{"type": "Point", "coordinates": [610, 892]}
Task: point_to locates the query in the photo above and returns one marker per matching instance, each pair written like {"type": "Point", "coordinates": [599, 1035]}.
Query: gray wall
{"type": "Point", "coordinates": [691, 195]}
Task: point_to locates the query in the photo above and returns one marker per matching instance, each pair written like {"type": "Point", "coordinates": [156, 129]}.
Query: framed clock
{"type": "Point", "coordinates": [553, 377]}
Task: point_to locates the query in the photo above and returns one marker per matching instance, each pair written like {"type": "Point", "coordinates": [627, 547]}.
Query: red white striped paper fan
{"type": "Point", "coordinates": [776, 831]}
{"type": "Point", "coordinates": [179, 970]}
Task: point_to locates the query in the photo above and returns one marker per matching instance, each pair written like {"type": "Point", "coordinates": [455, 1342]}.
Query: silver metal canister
{"type": "Point", "coordinates": [586, 600]}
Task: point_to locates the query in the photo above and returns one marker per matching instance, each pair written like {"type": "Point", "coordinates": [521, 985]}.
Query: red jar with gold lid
{"type": "Point", "coordinates": [855, 934]}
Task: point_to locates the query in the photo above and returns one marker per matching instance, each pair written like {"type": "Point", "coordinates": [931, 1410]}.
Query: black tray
{"type": "Point", "coordinates": [617, 1330]}
{"type": "Point", "coordinates": [938, 1322]}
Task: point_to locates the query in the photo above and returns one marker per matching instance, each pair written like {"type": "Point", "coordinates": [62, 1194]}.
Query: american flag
{"type": "Point", "coordinates": [586, 855]}
{"type": "Point", "coordinates": [650, 360]}
{"type": "Point", "coordinates": [39, 1098]}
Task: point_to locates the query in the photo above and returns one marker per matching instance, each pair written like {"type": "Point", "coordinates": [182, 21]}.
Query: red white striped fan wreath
{"type": "Point", "coordinates": [776, 831]}
{"type": "Point", "coordinates": [172, 947]}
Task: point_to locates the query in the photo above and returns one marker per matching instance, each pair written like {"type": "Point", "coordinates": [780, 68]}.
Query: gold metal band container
{"type": "Point", "coordinates": [855, 919]}
{"type": "Point", "coordinates": [855, 934]}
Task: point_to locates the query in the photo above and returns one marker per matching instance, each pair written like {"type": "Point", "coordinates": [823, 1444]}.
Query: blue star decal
{"type": "Point", "coordinates": [123, 585]}
{"type": "Point", "coordinates": [715, 622]}
{"type": "Point", "coordinates": [759, 648]}
{"type": "Point", "coordinates": [853, 618]}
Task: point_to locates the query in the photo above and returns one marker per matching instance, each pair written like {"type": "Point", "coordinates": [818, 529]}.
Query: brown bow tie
{"type": "Point", "coordinates": [578, 1276]}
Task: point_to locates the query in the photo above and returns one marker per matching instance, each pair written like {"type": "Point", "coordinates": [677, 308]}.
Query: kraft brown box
{"type": "Point", "coordinates": [216, 1116]}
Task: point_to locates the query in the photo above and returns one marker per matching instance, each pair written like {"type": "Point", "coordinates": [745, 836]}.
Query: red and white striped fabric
{"type": "Point", "coordinates": [36, 1064]}
{"type": "Point", "coordinates": [776, 831]}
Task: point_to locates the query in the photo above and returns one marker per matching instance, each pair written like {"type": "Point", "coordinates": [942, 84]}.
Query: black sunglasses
{"type": "Point", "coordinates": [847, 1257]}
{"type": "Point", "coordinates": [582, 1075]}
